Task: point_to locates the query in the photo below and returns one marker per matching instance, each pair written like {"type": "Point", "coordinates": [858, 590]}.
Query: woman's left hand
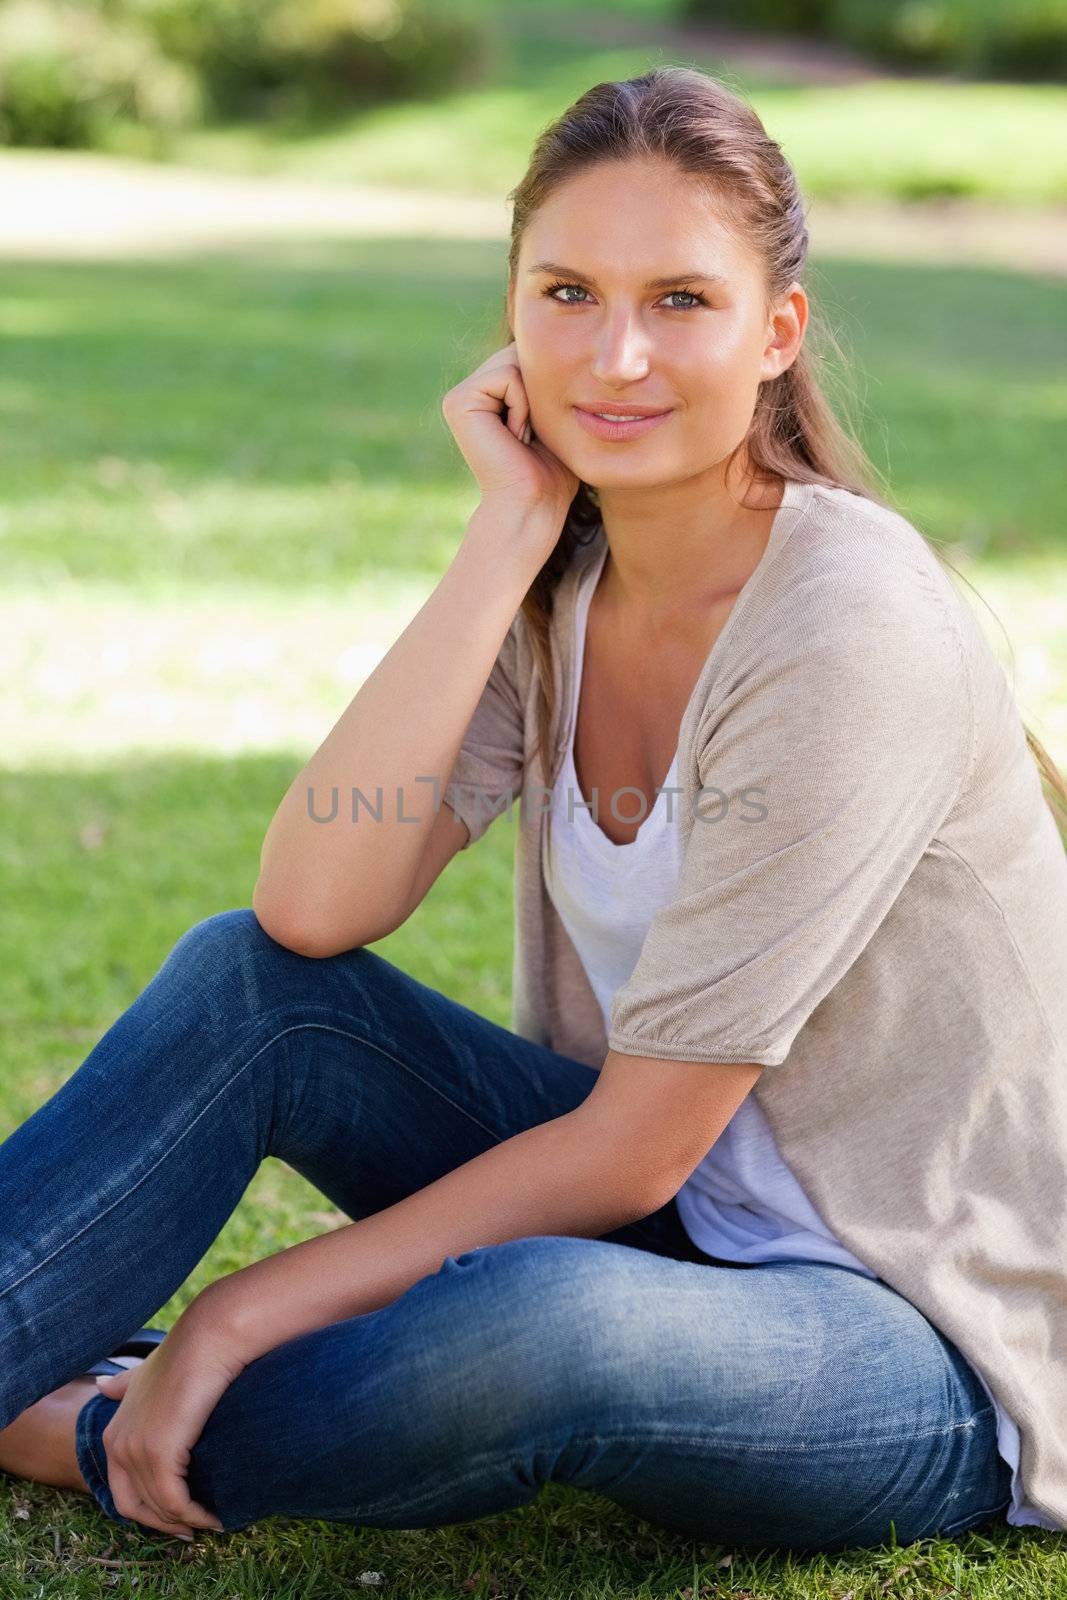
{"type": "Point", "coordinates": [166, 1400]}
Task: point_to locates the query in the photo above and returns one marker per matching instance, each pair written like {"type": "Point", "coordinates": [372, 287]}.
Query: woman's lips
{"type": "Point", "coordinates": [617, 430]}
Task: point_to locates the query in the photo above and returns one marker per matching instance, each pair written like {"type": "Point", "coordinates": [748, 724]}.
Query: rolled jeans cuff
{"type": "Point", "coordinates": [93, 1418]}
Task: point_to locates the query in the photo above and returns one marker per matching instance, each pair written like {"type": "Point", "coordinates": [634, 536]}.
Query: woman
{"type": "Point", "coordinates": [804, 1307]}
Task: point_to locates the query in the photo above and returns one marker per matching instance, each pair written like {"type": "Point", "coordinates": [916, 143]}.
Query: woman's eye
{"type": "Point", "coordinates": [559, 287]}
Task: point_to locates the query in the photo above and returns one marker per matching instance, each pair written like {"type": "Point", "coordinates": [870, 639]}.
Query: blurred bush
{"type": "Point", "coordinates": [261, 57]}
{"type": "Point", "coordinates": [1006, 39]}
{"type": "Point", "coordinates": [70, 68]}
{"type": "Point", "coordinates": [66, 70]}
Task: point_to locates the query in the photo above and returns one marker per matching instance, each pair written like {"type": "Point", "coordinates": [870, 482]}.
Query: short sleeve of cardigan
{"type": "Point", "coordinates": [830, 766]}
{"type": "Point", "coordinates": [487, 776]}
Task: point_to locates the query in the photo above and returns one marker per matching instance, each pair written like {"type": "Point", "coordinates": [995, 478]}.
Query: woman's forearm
{"type": "Point", "coordinates": [339, 881]}
{"type": "Point", "coordinates": [554, 1178]}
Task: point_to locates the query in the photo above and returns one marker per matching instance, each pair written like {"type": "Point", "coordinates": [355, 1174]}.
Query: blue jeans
{"type": "Point", "coordinates": [792, 1405]}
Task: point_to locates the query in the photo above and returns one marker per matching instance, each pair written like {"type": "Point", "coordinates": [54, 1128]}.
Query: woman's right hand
{"type": "Point", "coordinates": [513, 467]}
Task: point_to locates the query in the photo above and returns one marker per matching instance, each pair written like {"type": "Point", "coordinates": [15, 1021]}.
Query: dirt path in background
{"type": "Point", "coordinates": [79, 205]}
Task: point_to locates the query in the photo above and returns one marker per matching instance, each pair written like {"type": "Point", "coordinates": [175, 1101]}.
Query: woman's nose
{"type": "Point", "coordinates": [622, 352]}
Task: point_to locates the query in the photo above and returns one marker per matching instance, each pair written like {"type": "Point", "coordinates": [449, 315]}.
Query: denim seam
{"type": "Point", "coordinates": [296, 1028]}
{"type": "Point", "coordinates": [974, 1517]}
{"type": "Point", "coordinates": [134, 1186]}
{"type": "Point", "coordinates": [672, 1439]}
{"type": "Point", "coordinates": [372, 1044]}
{"type": "Point", "coordinates": [879, 1505]}
{"type": "Point", "coordinates": [96, 1463]}
{"type": "Point", "coordinates": [102, 1490]}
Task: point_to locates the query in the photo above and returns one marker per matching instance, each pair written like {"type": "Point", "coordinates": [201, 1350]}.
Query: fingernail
{"type": "Point", "coordinates": [186, 1536]}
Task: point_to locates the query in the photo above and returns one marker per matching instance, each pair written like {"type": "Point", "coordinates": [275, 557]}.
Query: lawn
{"type": "Point", "coordinates": [226, 487]}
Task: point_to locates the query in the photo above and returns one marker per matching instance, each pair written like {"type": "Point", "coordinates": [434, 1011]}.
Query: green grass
{"type": "Point", "coordinates": [899, 139]}
{"type": "Point", "coordinates": [226, 487]}
{"type": "Point", "coordinates": [272, 420]}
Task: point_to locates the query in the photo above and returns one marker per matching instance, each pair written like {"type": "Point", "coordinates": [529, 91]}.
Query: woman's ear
{"type": "Point", "coordinates": [785, 331]}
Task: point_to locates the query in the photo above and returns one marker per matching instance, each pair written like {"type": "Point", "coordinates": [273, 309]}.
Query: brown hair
{"type": "Point", "coordinates": [694, 121]}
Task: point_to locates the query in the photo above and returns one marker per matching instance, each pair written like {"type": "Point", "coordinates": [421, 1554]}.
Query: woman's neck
{"type": "Point", "coordinates": [654, 582]}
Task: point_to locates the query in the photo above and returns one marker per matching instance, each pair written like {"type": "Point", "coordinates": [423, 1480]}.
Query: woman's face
{"type": "Point", "coordinates": [696, 345]}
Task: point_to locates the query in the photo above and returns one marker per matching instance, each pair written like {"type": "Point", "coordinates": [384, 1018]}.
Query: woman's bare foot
{"type": "Point", "coordinates": [39, 1444]}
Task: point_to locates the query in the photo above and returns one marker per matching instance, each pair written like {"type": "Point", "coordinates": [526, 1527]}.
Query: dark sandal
{"type": "Point", "coordinates": [140, 1344]}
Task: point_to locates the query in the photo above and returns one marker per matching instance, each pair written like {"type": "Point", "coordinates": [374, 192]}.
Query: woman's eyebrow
{"type": "Point", "coordinates": [653, 283]}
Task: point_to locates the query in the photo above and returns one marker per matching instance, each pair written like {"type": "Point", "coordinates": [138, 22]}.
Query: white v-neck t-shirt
{"type": "Point", "coordinates": [741, 1203]}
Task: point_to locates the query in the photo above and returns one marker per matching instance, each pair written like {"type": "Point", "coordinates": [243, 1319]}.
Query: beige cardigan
{"type": "Point", "coordinates": [882, 923]}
